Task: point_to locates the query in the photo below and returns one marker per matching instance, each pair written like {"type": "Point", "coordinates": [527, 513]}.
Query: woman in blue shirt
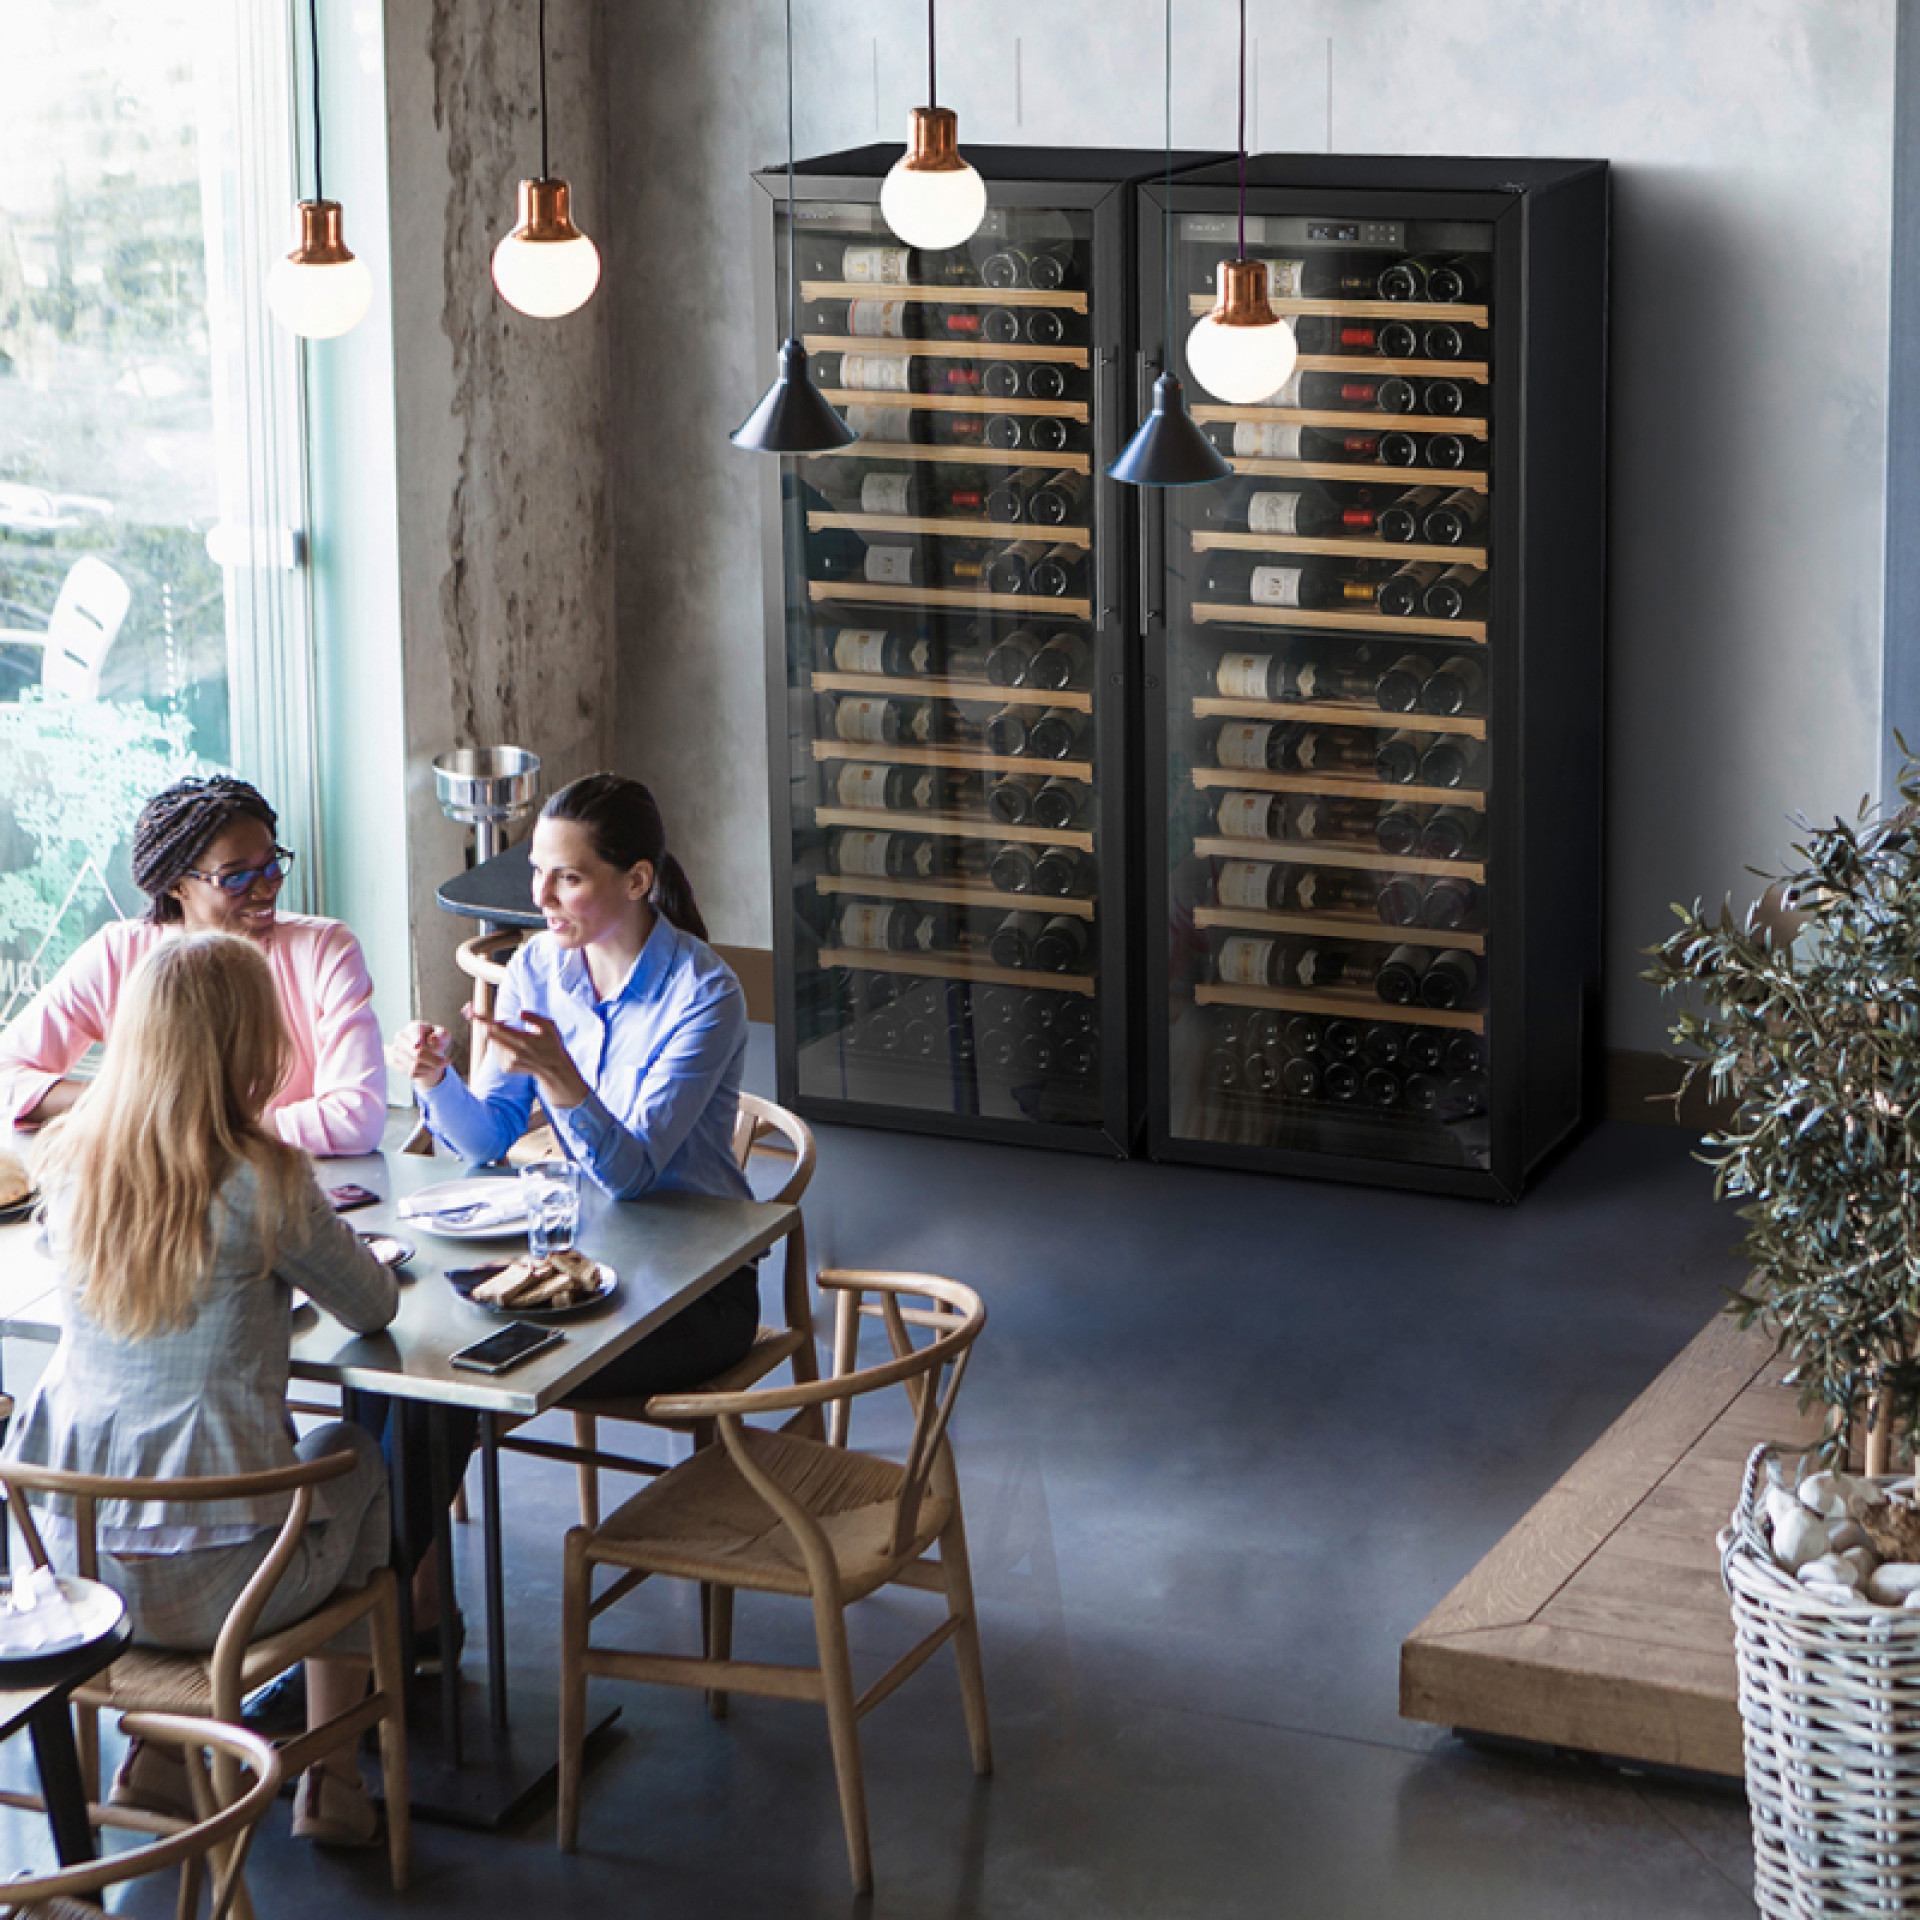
{"type": "Point", "coordinates": [630, 1030]}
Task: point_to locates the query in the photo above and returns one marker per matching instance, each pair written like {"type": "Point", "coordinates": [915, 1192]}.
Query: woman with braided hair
{"type": "Point", "coordinates": [206, 857]}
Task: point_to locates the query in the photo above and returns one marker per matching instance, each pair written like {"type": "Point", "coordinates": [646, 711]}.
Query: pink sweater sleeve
{"type": "Point", "coordinates": [331, 992]}
{"type": "Point", "coordinates": [53, 1031]}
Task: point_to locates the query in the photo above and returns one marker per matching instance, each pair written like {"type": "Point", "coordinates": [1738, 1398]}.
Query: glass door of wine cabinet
{"type": "Point", "coordinates": [1338, 661]}
{"type": "Point", "coordinates": [947, 712]}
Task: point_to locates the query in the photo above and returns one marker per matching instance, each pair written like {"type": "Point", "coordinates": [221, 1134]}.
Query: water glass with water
{"type": "Point", "coordinates": [552, 1190]}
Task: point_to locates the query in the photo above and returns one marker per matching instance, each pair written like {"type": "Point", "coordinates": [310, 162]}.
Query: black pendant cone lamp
{"type": "Point", "coordinates": [1169, 450]}
{"type": "Point", "coordinates": [792, 416]}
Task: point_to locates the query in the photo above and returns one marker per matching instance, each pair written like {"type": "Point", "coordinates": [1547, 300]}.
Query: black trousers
{"type": "Point", "coordinates": [710, 1335]}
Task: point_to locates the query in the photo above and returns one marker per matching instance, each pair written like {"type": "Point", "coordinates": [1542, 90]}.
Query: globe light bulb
{"type": "Point", "coordinates": [320, 290]}
{"type": "Point", "coordinates": [1240, 352]}
{"type": "Point", "coordinates": [546, 266]}
{"type": "Point", "coordinates": [932, 199]}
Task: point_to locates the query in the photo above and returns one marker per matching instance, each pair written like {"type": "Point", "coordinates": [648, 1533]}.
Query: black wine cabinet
{"type": "Point", "coordinates": [1373, 687]}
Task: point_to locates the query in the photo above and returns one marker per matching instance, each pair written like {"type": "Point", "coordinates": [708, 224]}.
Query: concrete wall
{"type": "Point", "coordinates": [503, 424]}
{"type": "Point", "coordinates": [1753, 144]}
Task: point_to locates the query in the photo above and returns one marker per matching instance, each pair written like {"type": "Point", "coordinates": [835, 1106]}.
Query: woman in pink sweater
{"type": "Point", "coordinates": [206, 857]}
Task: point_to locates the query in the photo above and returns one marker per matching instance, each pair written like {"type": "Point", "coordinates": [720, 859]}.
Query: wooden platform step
{"type": "Point", "coordinates": [1599, 1622]}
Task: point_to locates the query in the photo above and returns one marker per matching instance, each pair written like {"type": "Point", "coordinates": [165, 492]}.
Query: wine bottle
{"type": "Point", "coordinates": [1056, 503]}
{"type": "Point", "coordinates": [1380, 1088]}
{"type": "Point", "coordinates": [1300, 1078]}
{"type": "Point", "coordinates": [1035, 1052]}
{"type": "Point", "coordinates": [870, 720]}
{"type": "Point", "coordinates": [1443, 340]}
{"type": "Point", "coordinates": [1320, 276]}
{"type": "Point", "coordinates": [1424, 1049]}
{"type": "Point", "coordinates": [865, 854]}
{"type": "Point", "coordinates": [1007, 731]}
{"type": "Point", "coordinates": [1402, 520]}
{"type": "Point", "coordinates": [1012, 869]}
{"type": "Point", "coordinates": [1302, 1033]}
{"type": "Point", "coordinates": [1462, 278]}
{"type": "Point", "coordinates": [1329, 750]}
{"type": "Point", "coordinates": [1331, 890]}
{"type": "Point", "coordinates": [1250, 960]}
{"type": "Point", "coordinates": [1006, 571]}
{"type": "Point", "coordinates": [1011, 942]}
{"type": "Point", "coordinates": [1049, 327]}
{"type": "Point", "coordinates": [1321, 968]}
{"type": "Point", "coordinates": [1397, 757]}
{"type": "Point", "coordinates": [870, 927]}
{"type": "Point", "coordinates": [947, 429]}
{"type": "Point", "coordinates": [1448, 903]}
{"type": "Point", "coordinates": [1380, 1044]}
{"type": "Point", "coordinates": [1328, 818]}
{"type": "Point", "coordinates": [1010, 500]}
{"type": "Point", "coordinates": [1001, 380]}
{"type": "Point", "coordinates": [1399, 594]}
{"type": "Point", "coordinates": [868, 786]}
{"type": "Point", "coordinates": [1398, 980]}
{"type": "Point", "coordinates": [1063, 945]}
{"type": "Point", "coordinates": [1450, 833]}
{"type": "Point", "coordinates": [878, 650]}
{"type": "Point", "coordinates": [1259, 1073]}
{"type": "Point", "coordinates": [1073, 1016]}
{"type": "Point", "coordinates": [1293, 510]}
{"type": "Point", "coordinates": [999, 1049]}
{"type": "Point", "coordinates": [1449, 450]}
{"type": "Point", "coordinates": [901, 373]}
{"type": "Point", "coordinates": [1277, 440]}
{"type": "Point", "coordinates": [877, 266]}
{"type": "Point", "coordinates": [1056, 733]}
{"type": "Point", "coordinates": [1453, 760]}
{"type": "Point", "coordinates": [1338, 333]}
{"type": "Point", "coordinates": [1455, 518]}
{"type": "Point", "coordinates": [1058, 572]}
{"type": "Point", "coordinates": [1011, 658]}
{"type": "Point", "coordinates": [1257, 746]}
{"type": "Point", "coordinates": [1400, 688]}
{"type": "Point", "coordinates": [1061, 663]}
{"type": "Point", "coordinates": [1062, 873]}
{"type": "Point", "coordinates": [1255, 886]}
{"type": "Point", "coordinates": [1311, 585]}
{"type": "Point", "coordinates": [1463, 1054]}
{"type": "Point", "coordinates": [1046, 382]}
{"type": "Point", "coordinates": [1457, 685]}
{"type": "Point", "coordinates": [1059, 804]}
{"type": "Point", "coordinates": [1249, 816]}
{"type": "Point", "coordinates": [1433, 277]}
{"type": "Point", "coordinates": [887, 563]}
{"type": "Point", "coordinates": [1451, 980]}
{"type": "Point", "coordinates": [1010, 798]}
{"type": "Point", "coordinates": [1254, 676]}
{"type": "Point", "coordinates": [1399, 901]}
{"type": "Point", "coordinates": [1449, 398]}
{"type": "Point", "coordinates": [1398, 829]}
{"type": "Point", "coordinates": [1420, 1092]}
{"type": "Point", "coordinates": [1450, 596]}
{"type": "Point", "coordinates": [916, 494]}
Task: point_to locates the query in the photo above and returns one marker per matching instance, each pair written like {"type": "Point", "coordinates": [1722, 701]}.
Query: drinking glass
{"type": "Point", "coordinates": [552, 1190]}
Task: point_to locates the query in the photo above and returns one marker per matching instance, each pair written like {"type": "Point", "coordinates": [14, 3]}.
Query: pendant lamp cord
{"type": "Point", "coordinates": [313, 28]}
{"type": "Point", "coordinates": [1166, 238]}
{"type": "Point", "coordinates": [793, 282]}
{"type": "Point", "coordinates": [544, 172]}
{"type": "Point", "coordinates": [1243, 129]}
{"type": "Point", "coordinates": [932, 97]}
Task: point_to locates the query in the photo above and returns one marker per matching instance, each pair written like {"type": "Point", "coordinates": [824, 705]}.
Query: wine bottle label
{"type": "Point", "coordinates": [1244, 744]}
{"type": "Point", "coordinates": [862, 721]}
{"type": "Point", "coordinates": [926, 790]}
{"type": "Point", "coordinates": [926, 933]}
{"type": "Point", "coordinates": [875, 266]}
{"type": "Point", "coordinates": [1244, 676]}
{"type": "Point", "coordinates": [1274, 513]}
{"type": "Point", "coordinates": [920, 656]}
{"type": "Point", "coordinates": [865, 927]}
{"type": "Point", "coordinates": [860, 650]}
{"type": "Point", "coordinates": [890, 566]}
{"type": "Point", "coordinates": [1317, 751]}
{"type": "Point", "coordinates": [1314, 891]}
{"type": "Point", "coordinates": [862, 786]}
{"type": "Point", "coordinates": [1261, 440]}
{"type": "Point", "coordinates": [1286, 394]}
{"type": "Point", "coordinates": [872, 423]}
{"type": "Point", "coordinates": [1244, 883]}
{"type": "Point", "coordinates": [1316, 682]}
{"type": "Point", "coordinates": [1243, 816]}
{"type": "Point", "coordinates": [1273, 586]}
{"type": "Point", "coordinates": [920, 727]}
{"type": "Point", "coordinates": [877, 319]}
{"type": "Point", "coordinates": [1319, 968]}
{"type": "Point", "coordinates": [875, 372]}
{"type": "Point", "coordinates": [1244, 961]}
{"type": "Point", "coordinates": [1286, 279]}
{"type": "Point", "coordinates": [885, 493]}
{"type": "Point", "coordinates": [865, 854]}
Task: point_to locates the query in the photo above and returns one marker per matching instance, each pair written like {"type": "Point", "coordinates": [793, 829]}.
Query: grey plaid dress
{"type": "Point", "coordinates": [210, 1398]}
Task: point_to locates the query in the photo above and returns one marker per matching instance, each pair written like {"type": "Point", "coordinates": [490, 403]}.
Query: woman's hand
{"type": "Point", "coordinates": [538, 1050]}
{"type": "Point", "coordinates": [421, 1051]}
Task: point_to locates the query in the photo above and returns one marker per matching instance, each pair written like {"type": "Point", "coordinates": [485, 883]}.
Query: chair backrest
{"type": "Point", "coordinates": [762, 1120]}
{"type": "Point", "coordinates": [85, 620]}
{"type": "Point", "coordinates": [931, 1374]}
{"type": "Point", "coordinates": [230, 1829]}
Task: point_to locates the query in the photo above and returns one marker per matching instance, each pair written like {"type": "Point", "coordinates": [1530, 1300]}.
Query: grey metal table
{"type": "Point", "coordinates": [667, 1249]}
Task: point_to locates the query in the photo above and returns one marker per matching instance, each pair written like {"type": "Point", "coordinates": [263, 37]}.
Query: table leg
{"type": "Point", "coordinates": [441, 1481]}
{"type": "Point", "coordinates": [54, 1754]}
{"type": "Point", "coordinates": [396, 1430]}
{"type": "Point", "coordinates": [496, 1576]}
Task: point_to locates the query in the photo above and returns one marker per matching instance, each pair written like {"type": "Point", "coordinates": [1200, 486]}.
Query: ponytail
{"type": "Point", "coordinates": [623, 821]}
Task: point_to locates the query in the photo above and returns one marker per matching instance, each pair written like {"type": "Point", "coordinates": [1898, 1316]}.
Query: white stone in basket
{"type": "Point", "coordinates": [1824, 1494]}
{"type": "Point", "coordinates": [1830, 1570]}
{"type": "Point", "coordinates": [1892, 1582]}
{"type": "Point", "coordinates": [1797, 1535]}
{"type": "Point", "coordinates": [1844, 1535]}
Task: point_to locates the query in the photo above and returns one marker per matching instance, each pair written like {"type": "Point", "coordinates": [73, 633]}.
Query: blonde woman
{"type": "Point", "coordinates": [180, 1224]}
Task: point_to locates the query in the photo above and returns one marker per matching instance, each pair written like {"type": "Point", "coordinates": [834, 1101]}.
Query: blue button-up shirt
{"type": "Point", "coordinates": [662, 1056]}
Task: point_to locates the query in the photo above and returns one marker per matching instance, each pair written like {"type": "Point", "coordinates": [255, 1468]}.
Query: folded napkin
{"type": "Point", "coordinates": [468, 1213]}
{"type": "Point", "coordinates": [36, 1617]}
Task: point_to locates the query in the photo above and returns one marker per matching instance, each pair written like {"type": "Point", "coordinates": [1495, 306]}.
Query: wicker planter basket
{"type": "Point", "coordinates": [1830, 1703]}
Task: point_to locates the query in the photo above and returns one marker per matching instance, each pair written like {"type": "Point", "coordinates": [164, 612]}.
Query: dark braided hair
{"type": "Point", "coordinates": [623, 822]}
{"type": "Point", "coordinates": [174, 828]}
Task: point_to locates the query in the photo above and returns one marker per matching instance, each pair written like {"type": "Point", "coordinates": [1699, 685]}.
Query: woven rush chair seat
{"type": "Point", "coordinates": [704, 1521]}
{"type": "Point", "coordinates": [776, 1510]}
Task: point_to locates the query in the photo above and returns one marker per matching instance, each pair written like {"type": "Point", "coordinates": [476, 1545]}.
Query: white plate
{"type": "Point", "coordinates": [97, 1611]}
{"type": "Point", "coordinates": [609, 1286]}
{"type": "Point", "coordinates": [505, 1217]}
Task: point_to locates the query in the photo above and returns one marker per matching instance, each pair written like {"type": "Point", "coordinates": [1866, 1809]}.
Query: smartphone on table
{"type": "Point", "coordinates": [346, 1198]}
{"type": "Point", "coordinates": [507, 1348]}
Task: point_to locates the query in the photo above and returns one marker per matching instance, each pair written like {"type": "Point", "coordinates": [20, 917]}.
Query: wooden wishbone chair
{"type": "Point", "coordinates": [155, 1679]}
{"type": "Point", "coordinates": [775, 1510]}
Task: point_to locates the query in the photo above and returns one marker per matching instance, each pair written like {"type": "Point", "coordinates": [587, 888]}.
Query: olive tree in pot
{"type": "Point", "coordinates": [1802, 1022]}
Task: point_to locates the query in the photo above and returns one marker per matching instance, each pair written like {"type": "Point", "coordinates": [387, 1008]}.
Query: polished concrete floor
{"type": "Point", "coordinates": [1225, 1441]}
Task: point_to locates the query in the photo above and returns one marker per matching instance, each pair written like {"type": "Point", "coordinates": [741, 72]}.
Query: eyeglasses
{"type": "Point", "coordinates": [233, 885]}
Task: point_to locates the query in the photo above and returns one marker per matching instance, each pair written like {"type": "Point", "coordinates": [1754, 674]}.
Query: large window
{"type": "Point", "coordinates": [151, 618]}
